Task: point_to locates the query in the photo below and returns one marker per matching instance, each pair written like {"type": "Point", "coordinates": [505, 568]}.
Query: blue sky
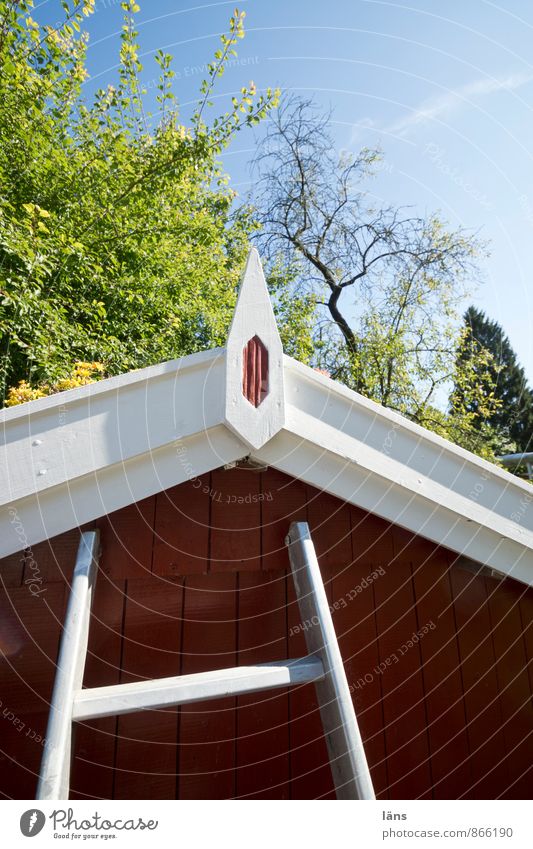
{"type": "Point", "coordinates": [446, 89]}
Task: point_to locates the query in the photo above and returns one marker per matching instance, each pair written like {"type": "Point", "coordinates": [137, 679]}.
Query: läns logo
{"type": "Point", "coordinates": [32, 822]}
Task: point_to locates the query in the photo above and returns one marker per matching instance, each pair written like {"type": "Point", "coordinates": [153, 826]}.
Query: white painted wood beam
{"type": "Point", "coordinates": [77, 455]}
{"type": "Point", "coordinates": [354, 425]}
{"type": "Point", "coordinates": [30, 520]}
{"type": "Point", "coordinates": [446, 521]}
{"type": "Point", "coordinates": [58, 439]}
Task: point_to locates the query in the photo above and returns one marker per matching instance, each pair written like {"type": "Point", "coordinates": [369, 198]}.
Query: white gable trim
{"type": "Point", "coordinates": [58, 439]}
{"type": "Point", "coordinates": [31, 520]}
{"type": "Point", "coordinates": [75, 456]}
{"type": "Point", "coordinates": [329, 414]}
{"type": "Point", "coordinates": [254, 317]}
{"type": "Point", "coordinates": [301, 381]}
{"type": "Point", "coordinates": [480, 536]}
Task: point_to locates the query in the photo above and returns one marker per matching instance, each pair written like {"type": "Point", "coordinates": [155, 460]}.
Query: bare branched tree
{"type": "Point", "coordinates": [386, 281]}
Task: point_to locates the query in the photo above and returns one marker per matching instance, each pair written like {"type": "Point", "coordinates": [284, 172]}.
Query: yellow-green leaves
{"type": "Point", "coordinates": [119, 241]}
{"type": "Point", "coordinates": [82, 373]}
{"type": "Point", "coordinates": [254, 109]}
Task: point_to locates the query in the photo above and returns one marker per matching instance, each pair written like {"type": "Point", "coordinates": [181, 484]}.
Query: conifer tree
{"type": "Point", "coordinates": [502, 375]}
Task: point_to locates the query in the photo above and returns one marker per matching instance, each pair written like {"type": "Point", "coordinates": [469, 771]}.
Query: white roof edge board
{"type": "Point", "coordinates": [108, 384]}
{"type": "Point", "coordinates": [330, 416]}
{"type": "Point", "coordinates": [304, 423]}
{"type": "Point", "coordinates": [442, 523]}
{"type": "Point", "coordinates": [398, 422]}
{"type": "Point", "coordinates": [83, 431]}
{"type": "Point", "coordinates": [31, 520]}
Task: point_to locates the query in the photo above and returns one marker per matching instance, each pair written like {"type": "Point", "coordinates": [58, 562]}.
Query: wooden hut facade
{"type": "Point", "coordinates": [192, 472]}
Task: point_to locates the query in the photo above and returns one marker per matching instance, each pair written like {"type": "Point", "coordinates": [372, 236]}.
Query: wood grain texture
{"type": "Point", "coordinates": [372, 554]}
{"type": "Point", "coordinates": [52, 561]}
{"type": "Point", "coordinates": [262, 742]}
{"type": "Point", "coordinates": [372, 541]}
{"type": "Point", "coordinates": [30, 629]}
{"type": "Point", "coordinates": [513, 683]}
{"type": "Point", "coordinates": [147, 740]}
{"type": "Point", "coordinates": [330, 525]}
{"type": "Point", "coordinates": [285, 501]}
{"type": "Point", "coordinates": [486, 738]}
{"type": "Point", "coordinates": [255, 371]}
{"type": "Point", "coordinates": [127, 540]}
{"type": "Point", "coordinates": [309, 762]}
{"type": "Point", "coordinates": [526, 616]}
{"type": "Point", "coordinates": [181, 538]}
{"type": "Point", "coordinates": [207, 730]}
{"type": "Point", "coordinates": [451, 718]}
{"type": "Point", "coordinates": [12, 569]}
{"type": "Point", "coordinates": [410, 548]}
{"type": "Point", "coordinates": [441, 670]}
{"type": "Point", "coordinates": [235, 521]}
{"type": "Point", "coordinates": [404, 711]}
{"type": "Point", "coordinates": [21, 750]}
{"type": "Point", "coordinates": [355, 625]}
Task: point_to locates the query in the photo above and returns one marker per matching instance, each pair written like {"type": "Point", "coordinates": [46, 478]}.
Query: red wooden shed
{"type": "Point", "coordinates": [192, 472]}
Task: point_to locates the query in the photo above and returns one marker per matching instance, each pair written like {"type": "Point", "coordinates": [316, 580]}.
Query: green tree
{"type": "Point", "coordinates": [385, 285]}
{"type": "Point", "coordinates": [500, 375]}
{"type": "Point", "coordinates": [119, 241]}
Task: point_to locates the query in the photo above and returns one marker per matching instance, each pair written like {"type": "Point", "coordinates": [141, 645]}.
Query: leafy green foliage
{"type": "Point", "coordinates": [118, 239]}
{"type": "Point", "coordinates": [382, 286]}
{"type": "Point", "coordinates": [487, 359]}
{"type": "Point", "coordinates": [294, 309]}
{"type": "Point", "coordinates": [82, 374]}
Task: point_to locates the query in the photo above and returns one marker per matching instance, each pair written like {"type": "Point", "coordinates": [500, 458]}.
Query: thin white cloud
{"type": "Point", "coordinates": [443, 106]}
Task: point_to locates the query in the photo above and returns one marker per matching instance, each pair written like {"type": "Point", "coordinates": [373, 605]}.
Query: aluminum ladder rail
{"type": "Point", "coordinates": [347, 758]}
{"type": "Point", "coordinates": [323, 666]}
{"type": "Point", "coordinates": [55, 765]}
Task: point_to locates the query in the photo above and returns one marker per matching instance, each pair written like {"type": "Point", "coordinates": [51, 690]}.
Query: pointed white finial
{"type": "Point", "coordinates": [255, 401]}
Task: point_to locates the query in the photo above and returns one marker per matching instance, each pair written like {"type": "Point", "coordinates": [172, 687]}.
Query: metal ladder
{"type": "Point", "coordinates": [323, 666]}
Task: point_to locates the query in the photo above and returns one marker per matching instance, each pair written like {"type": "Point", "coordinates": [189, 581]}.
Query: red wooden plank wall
{"type": "Point", "coordinates": [438, 658]}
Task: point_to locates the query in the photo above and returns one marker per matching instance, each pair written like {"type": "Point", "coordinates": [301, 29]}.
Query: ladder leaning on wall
{"type": "Point", "coordinates": [323, 666]}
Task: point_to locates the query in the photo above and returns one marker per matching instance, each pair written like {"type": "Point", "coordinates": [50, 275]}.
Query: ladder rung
{"type": "Point", "coordinates": [323, 666]}
{"type": "Point", "coordinates": [184, 689]}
